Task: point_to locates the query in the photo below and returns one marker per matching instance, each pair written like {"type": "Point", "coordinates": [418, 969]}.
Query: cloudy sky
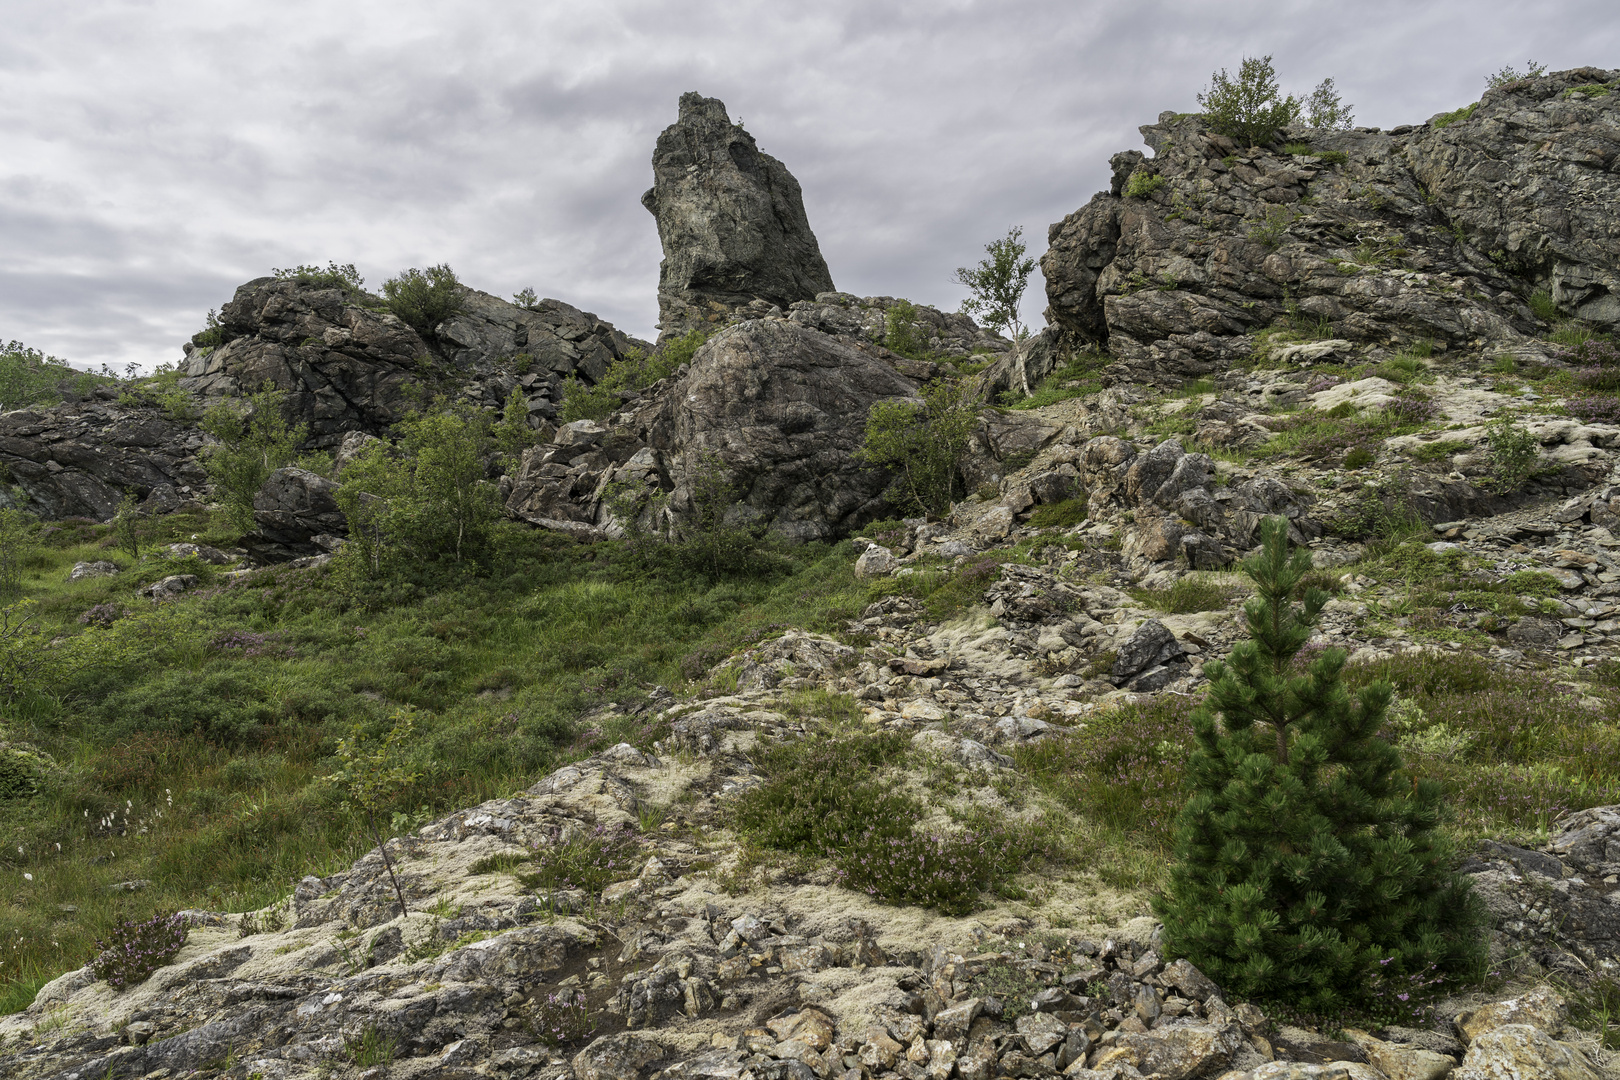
{"type": "Point", "coordinates": [154, 155]}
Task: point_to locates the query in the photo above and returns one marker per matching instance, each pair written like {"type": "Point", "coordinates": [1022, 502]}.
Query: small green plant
{"type": "Point", "coordinates": [1515, 454]}
{"type": "Point", "coordinates": [424, 298]}
{"type": "Point", "coordinates": [996, 286]}
{"type": "Point", "coordinates": [562, 1018]}
{"type": "Point", "coordinates": [371, 779]}
{"type": "Point", "coordinates": [136, 949]}
{"type": "Point", "coordinates": [1586, 92]}
{"type": "Point", "coordinates": [1507, 73]}
{"type": "Point", "coordinates": [590, 861]}
{"type": "Point", "coordinates": [923, 442]}
{"type": "Point", "coordinates": [1272, 229]}
{"type": "Point", "coordinates": [330, 276]}
{"type": "Point", "coordinates": [1543, 307]}
{"type": "Point", "coordinates": [901, 333]}
{"type": "Point", "coordinates": [1188, 595]}
{"type": "Point", "coordinates": [371, 1048]}
{"type": "Point", "coordinates": [1333, 157]}
{"type": "Point", "coordinates": [1063, 515]}
{"type": "Point", "coordinates": [1439, 450]}
{"type": "Point", "coordinates": [1296, 149]}
{"type": "Point", "coordinates": [1143, 183]}
{"type": "Point", "coordinates": [526, 298]}
{"type": "Point", "coordinates": [213, 334]}
{"type": "Point", "coordinates": [129, 525]}
{"type": "Point", "coordinates": [1293, 796]}
{"type": "Point", "coordinates": [635, 370]}
{"type": "Point", "coordinates": [1358, 457]}
{"type": "Point", "coordinates": [1447, 119]}
{"type": "Point", "coordinates": [17, 531]}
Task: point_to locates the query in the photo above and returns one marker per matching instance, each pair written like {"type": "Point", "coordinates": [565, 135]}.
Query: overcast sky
{"type": "Point", "coordinates": [153, 156]}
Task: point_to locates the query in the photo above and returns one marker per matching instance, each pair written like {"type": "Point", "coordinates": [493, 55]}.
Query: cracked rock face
{"type": "Point", "coordinates": [1437, 232]}
{"type": "Point", "coordinates": [347, 364]}
{"type": "Point", "coordinates": [731, 220]}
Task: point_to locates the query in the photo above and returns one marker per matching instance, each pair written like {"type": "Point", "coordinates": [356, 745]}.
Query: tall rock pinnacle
{"type": "Point", "coordinates": [731, 220]}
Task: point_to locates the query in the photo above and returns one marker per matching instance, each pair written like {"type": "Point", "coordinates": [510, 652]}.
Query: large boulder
{"type": "Point", "coordinates": [292, 509]}
{"type": "Point", "coordinates": [346, 364]}
{"type": "Point", "coordinates": [781, 409]}
{"type": "Point", "coordinates": [1437, 232]}
{"type": "Point", "coordinates": [731, 220]}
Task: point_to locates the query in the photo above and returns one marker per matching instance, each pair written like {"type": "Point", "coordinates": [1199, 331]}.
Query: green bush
{"type": "Point", "coordinates": [1515, 454]}
{"type": "Point", "coordinates": [1143, 183]}
{"type": "Point", "coordinates": [1306, 856]}
{"type": "Point", "coordinates": [1543, 306]}
{"type": "Point", "coordinates": [30, 377]}
{"type": "Point", "coordinates": [923, 442]}
{"type": "Point", "coordinates": [136, 949]}
{"type": "Point", "coordinates": [1333, 157]}
{"type": "Point", "coordinates": [1272, 229]}
{"type": "Point", "coordinates": [424, 298]}
{"type": "Point", "coordinates": [251, 444]}
{"type": "Point", "coordinates": [1507, 73]}
{"type": "Point", "coordinates": [996, 285]}
{"type": "Point", "coordinates": [1325, 110]}
{"type": "Point", "coordinates": [330, 276]}
{"type": "Point", "coordinates": [1249, 107]}
{"type": "Point", "coordinates": [590, 861]}
{"type": "Point", "coordinates": [901, 333]}
{"type": "Point", "coordinates": [634, 371]}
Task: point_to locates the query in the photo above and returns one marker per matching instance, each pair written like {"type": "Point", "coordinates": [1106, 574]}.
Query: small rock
{"type": "Point", "coordinates": [100, 568]}
{"type": "Point", "coordinates": [170, 587]}
{"type": "Point", "coordinates": [1522, 1052]}
{"type": "Point", "coordinates": [876, 561]}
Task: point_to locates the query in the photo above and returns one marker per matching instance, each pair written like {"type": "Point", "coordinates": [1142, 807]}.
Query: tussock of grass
{"type": "Point", "coordinates": [1190, 594]}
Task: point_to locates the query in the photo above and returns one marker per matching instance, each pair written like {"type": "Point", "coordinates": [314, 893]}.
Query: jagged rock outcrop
{"type": "Point", "coordinates": [78, 459]}
{"type": "Point", "coordinates": [731, 220]}
{"type": "Point", "coordinates": [779, 409]}
{"type": "Point", "coordinates": [347, 364]}
{"type": "Point", "coordinates": [1439, 231]}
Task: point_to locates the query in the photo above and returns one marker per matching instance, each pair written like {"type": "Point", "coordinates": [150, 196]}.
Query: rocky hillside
{"type": "Point", "coordinates": [1394, 340]}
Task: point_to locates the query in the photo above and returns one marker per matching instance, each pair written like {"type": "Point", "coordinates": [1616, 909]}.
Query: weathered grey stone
{"type": "Point", "coordinates": [1150, 645]}
{"type": "Point", "coordinates": [100, 568]}
{"type": "Point", "coordinates": [290, 510]}
{"type": "Point", "coordinates": [170, 587]}
{"type": "Point", "coordinates": [1522, 1052]}
{"type": "Point", "coordinates": [731, 220]}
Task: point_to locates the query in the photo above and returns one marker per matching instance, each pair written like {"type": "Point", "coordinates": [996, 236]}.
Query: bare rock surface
{"type": "Point", "coordinates": [732, 222]}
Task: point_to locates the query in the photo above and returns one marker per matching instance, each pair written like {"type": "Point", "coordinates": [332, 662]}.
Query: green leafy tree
{"type": "Point", "coordinates": [635, 370]}
{"type": "Point", "coordinates": [1249, 108]}
{"type": "Point", "coordinates": [901, 334]}
{"type": "Point", "coordinates": [250, 444]}
{"type": "Point", "coordinates": [373, 777]}
{"type": "Point", "coordinates": [997, 284]}
{"type": "Point", "coordinates": [426, 500]}
{"type": "Point", "coordinates": [1325, 110]}
{"type": "Point", "coordinates": [424, 298]}
{"type": "Point", "coordinates": [923, 442]}
{"type": "Point", "coordinates": [1307, 859]}
{"type": "Point", "coordinates": [526, 298]}
{"type": "Point", "coordinates": [512, 433]}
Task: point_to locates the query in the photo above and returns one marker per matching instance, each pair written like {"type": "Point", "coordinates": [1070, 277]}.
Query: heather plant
{"type": "Point", "coordinates": [589, 861]}
{"type": "Point", "coordinates": [1306, 851]}
{"type": "Point", "coordinates": [133, 950]}
{"type": "Point", "coordinates": [424, 298]}
{"type": "Point", "coordinates": [561, 1017]}
{"type": "Point", "coordinates": [944, 872]}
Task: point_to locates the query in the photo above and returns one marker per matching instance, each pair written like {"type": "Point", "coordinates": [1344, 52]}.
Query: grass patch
{"type": "Point", "coordinates": [1439, 450]}
{"type": "Point", "coordinates": [1080, 377]}
{"type": "Point", "coordinates": [1063, 515]}
{"type": "Point", "coordinates": [194, 757]}
{"type": "Point", "coordinates": [1188, 595]}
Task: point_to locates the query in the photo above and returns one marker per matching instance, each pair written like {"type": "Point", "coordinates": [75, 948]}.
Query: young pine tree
{"type": "Point", "coordinates": [1306, 857]}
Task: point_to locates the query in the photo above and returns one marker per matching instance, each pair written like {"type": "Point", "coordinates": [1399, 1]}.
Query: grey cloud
{"type": "Point", "coordinates": [156, 155]}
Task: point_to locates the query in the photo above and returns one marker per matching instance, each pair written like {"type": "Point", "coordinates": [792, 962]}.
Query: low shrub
{"type": "Point", "coordinates": [330, 276]}
{"type": "Point", "coordinates": [424, 298]}
{"type": "Point", "coordinates": [820, 789]}
{"type": "Point", "coordinates": [1596, 408]}
{"type": "Point", "coordinates": [1143, 183]}
{"type": "Point", "coordinates": [561, 1018]}
{"type": "Point", "coordinates": [1447, 119]}
{"type": "Point", "coordinates": [371, 1048]}
{"type": "Point", "coordinates": [946, 873]}
{"type": "Point", "coordinates": [136, 949]}
{"type": "Point", "coordinates": [901, 334]}
{"type": "Point", "coordinates": [1515, 454]}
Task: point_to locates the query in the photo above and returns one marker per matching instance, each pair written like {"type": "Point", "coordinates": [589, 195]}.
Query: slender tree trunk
{"type": "Point", "coordinates": [382, 847]}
